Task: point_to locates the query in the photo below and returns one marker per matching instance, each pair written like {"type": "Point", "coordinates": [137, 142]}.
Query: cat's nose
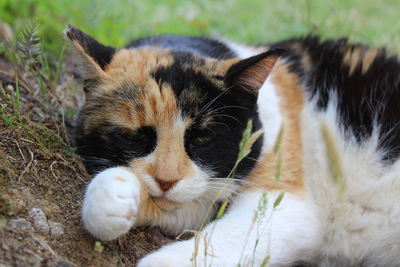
{"type": "Point", "coordinates": [165, 185]}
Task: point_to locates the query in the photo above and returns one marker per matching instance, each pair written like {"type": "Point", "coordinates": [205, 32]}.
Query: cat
{"type": "Point", "coordinates": [160, 133]}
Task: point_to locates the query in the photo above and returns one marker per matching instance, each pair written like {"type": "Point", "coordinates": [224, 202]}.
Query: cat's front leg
{"type": "Point", "coordinates": [111, 203]}
{"type": "Point", "coordinates": [254, 231]}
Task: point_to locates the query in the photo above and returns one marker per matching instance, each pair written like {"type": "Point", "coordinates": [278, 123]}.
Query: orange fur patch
{"type": "Point", "coordinates": [150, 209]}
{"type": "Point", "coordinates": [368, 59]}
{"type": "Point", "coordinates": [120, 179]}
{"type": "Point", "coordinates": [291, 99]}
{"type": "Point", "coordinates": [352, 58]}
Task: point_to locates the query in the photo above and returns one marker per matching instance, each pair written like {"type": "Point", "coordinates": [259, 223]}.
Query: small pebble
{"type": "Point", "coordinates": [10, 88]}
{"type": "Point", "coordinates": [20, 224]}
{"type": "Point", "coordinates": [39, 220]}
{"type": "Point", "coordinates": [56, 229]}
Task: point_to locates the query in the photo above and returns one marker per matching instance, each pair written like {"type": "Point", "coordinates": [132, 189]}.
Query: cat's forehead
{"type": "Point", "coordinates": [140, 65]}
{"type": "Point", "coordinates": [156, 87]}
{"type": "Point", "coordinates": [135, 65]}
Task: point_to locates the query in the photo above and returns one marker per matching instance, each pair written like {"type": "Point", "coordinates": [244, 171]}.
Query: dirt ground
{"type": "Point", "coordinates": [39, 170]}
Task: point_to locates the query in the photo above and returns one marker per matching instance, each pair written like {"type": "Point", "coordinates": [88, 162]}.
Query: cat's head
{"type": "Point", "coordinates": [175, 118]}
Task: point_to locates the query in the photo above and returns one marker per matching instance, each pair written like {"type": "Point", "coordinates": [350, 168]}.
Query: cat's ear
{"type": "Point", "coordinates": [92, 55]}
{"type": "Point", "coordinates": [250, 74]}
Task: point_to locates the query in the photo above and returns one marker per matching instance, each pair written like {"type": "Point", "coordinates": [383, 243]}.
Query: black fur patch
{"type": "Point", "coordinates": [111, 146]}
{"type": "Point", "coordinates": [197, 45]}
{"type": "Point", "coordinates": [364, 99]}
{"type": "Point", "coordinates": [100, 53]}
{"type": "Point", "coordinates": [248, 75]}
{"type": "Point", "coordinates": [248, 62]}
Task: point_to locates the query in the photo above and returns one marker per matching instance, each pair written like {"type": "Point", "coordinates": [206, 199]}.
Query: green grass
{"type": "Point", "coordinates": [254, 21]}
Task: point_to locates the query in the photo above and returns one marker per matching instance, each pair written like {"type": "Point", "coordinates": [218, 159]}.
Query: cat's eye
{"type": "Point", "coordinates": [139, 142]}
{"type": "Point", "coordinates": [139, 137]}
{"type": "Point", "coordinates": [201, 139]}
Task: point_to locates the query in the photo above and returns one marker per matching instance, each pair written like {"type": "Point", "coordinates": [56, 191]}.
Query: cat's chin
{"type": "Point", "coordinates": [166, 204]}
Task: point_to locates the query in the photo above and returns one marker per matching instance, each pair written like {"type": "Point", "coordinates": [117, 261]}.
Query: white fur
{"type": "Point", "coordinates": [231, 240]}
{"type": "Point", "coordinates": [110, 204]}
{"type": "Point", "coordinates": [241, 50]}
{"type": "Point", "coordinates": [268, 107]}
{"type": "Point", "coordinates": [363, 224]}
{"type": "Point", "coordinates": [185, 190]}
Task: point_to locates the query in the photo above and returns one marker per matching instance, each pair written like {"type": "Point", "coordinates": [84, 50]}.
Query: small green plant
{"type": "Point", "coordinates": [12, 99]}
{"type": "Point", "coordinates": [261, 223]}
{"type": "Point", "coordinates": [29, 47]}
{"type": "Point", "coordinates": [265, 261]}
{"type": "Point", "coordinates": [3, 114]}
{"type": "Point", "coordinates": [259, 214]}
{"type": "Point", "coordinates": [245, 145]}
{"type": "Point", "coordinates": [98, 247]}
{"type": "Point", "coordinates": [31, 55]}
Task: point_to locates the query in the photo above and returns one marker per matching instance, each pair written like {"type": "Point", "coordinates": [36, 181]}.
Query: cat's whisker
{"type": "Point", "coordinates": [222, 124]}
{"type": "Point", "coordinates": [229, 116]}
{"type": "Point", "coordinates": [222, 189]}
{"type": "Point", "coordinates": [222, 186]}
{"type": "Point", "coordinates": [203, 206]}
{"type": "Point", "coordinates": [214, 198]}
{"type": "Point", "coordinates": [241, 181]}
{"type": "Point", "coordinates": [225, 192]}
{"type": "Point", "coordinates": [225, 107]}
{"type": "Point", "coordinates": [214, 99]}
{"type": "Point", "coordinates": [96, 159]}
{"type": "Point", "coordinates": [256, 160]}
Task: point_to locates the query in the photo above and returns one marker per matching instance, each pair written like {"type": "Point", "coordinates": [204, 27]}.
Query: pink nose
{"type": "Point", "coordinates": [165, 185]}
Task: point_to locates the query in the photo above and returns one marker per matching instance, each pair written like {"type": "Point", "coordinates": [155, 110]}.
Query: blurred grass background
{"type": "Point", "coordinates": [251, 21]}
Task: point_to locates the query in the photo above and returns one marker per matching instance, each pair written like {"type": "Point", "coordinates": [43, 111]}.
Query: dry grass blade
{"type": "Point", "coordinates": [52, 170]}
{"type": "Point", "coordinates": [245, 145]}
{"type": "Point", "coordinates": [278, 142]}
{"type": "Point", "coordinates": [333, 155]}
{"type": "Point", "coordinates": [27, 166]}
{"type": "Point", "coordinates": [20, 151]}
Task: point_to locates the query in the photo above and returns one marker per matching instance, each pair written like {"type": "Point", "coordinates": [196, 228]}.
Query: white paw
{"type": "Point", "coordinates": [178, 254]}
{"type": "Point", "coordinates": [111, 203]}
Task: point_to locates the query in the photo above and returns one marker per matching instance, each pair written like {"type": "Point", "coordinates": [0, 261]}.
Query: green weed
{"type": "Point", "coordinates": [333, 156]}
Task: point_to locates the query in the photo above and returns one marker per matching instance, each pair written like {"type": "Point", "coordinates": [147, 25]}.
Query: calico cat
{"type": "Point", "coordinates": [160, 132]}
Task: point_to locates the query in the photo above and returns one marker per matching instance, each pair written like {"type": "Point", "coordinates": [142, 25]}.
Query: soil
{"type": "Point", "coordinates": [39, 170]}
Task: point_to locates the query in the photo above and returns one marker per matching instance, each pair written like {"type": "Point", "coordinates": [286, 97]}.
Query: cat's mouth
{"type": "Point", "coordinates": [166, 204]}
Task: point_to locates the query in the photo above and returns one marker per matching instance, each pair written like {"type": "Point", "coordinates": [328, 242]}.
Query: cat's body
{"type": "Point", "coordinates": [328, 111]}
